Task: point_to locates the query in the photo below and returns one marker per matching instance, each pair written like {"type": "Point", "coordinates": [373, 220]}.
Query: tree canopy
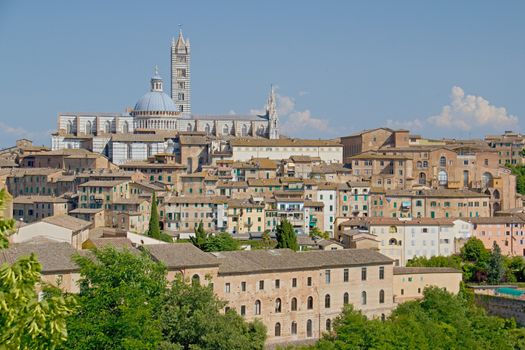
{"type": "Point", "coordinates": [439, 321]}
{"type": "Point", "coordinates": [29, 320]}
{"type": "Point", "coordinates": [219, 242]}
{"type": "Point", "coordinates": [286, 237]}
{"type": "Point", "coordinates": [126, 302]}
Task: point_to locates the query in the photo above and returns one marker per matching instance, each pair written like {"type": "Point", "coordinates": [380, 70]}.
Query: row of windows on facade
{"type": "Point", "coordinates": [294, 281]}
{"type": "Point", "coordinates": [310, 303]}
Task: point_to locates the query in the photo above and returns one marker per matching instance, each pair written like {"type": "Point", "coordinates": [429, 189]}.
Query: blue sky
{"type": "Point", "coordinates": [340, 66]}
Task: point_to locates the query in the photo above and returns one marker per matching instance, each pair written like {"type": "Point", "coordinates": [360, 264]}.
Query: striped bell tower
{"type": "Point", "coordinates": [180, 73]}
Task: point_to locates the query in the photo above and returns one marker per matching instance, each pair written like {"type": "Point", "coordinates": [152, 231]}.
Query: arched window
{"type": "Point", "coordinates": [392, 241]}
{"type": "Point", "coordinates": [381, 296]}
{"type": "Point", "coordinates": [486, 178]}
{"type": "Point", "coordinates": [69, 127]}
{"type": "Point", "coordinates": [392, 229]}
{"type": "Point", "coordinates": [293, 328]}
{"type": "Point", "coordinates": [277, 329]}
{"type": "Point", "coordinates": [496, 194]}
{"type": "Point", "coordinates": [425, 164]}
{"type": "Point", "coordinates": [244, 130]}
{"type": "Point", "coordinates": [125, 128]}
{"type": "Point", "coordinates": [196, 279]}
{"type": "Point", "coordinates": [419, 164]}
{"type": "Point", "coordinates": [278, 305]}
{"type": "Point", "coordinates": [107, 127]}
{"type": "Point", "coordinates": [188, 127]}
{"type": "Point", "coordinates": [310, 303]}
{"type": "Point", "coordinates": [207, 129]}
{"type": "Point", "coordinates": [383, 317]}
{"type": "Point", "coordinates": [89, 127]}
{"type": "Point", "coordinates": [422, 179]}
{"type": "Point", "coordinates": [257, 307]}
{"type": "Point", "coordinates": [465, 178]}
{"type": "Point", "coordinates": [294, 304]}
{"type": "Point", "coordinates": [327, 301]}
{"type": "Point", "coordinates": [225, 130]}
{"type": "Point", "coordinates": [328, 325]}
{"type": "Point", "coordinates": [363, 298]}
{"type": "Point", "coordinates": [260, 131]}
{"type": "Point", "coordinates": [309, 328]}
{"type": "Point", "coordinates": [346, 298]}
{"type": "Point", "coordinates": [443, 161]}
{"type": "Point", "coordinates": [443, 177]}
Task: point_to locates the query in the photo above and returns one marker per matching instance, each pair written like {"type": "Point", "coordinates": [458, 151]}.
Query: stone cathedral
{"type": "Point", "coordinates": [156, 112]}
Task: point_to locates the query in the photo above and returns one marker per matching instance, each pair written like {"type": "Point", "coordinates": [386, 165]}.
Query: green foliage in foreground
{"type": "Point", "coordinates": [125, 302]}
{"type": "Point", "coordinates": [25, 321]}
{"type": "Point", "coordinates": [439, 321]}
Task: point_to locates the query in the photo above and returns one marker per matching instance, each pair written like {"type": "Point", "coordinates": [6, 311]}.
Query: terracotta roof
{"type": "Point", "coordinates": [304, 159]}
{"type": "Point", "coordinates": [193, 140]}
{"type": "Point", "coordinates": [103, 183]}
{"type": "Point", "coordinates": [38, 199]}
{"type": "Point", "coordinates": [86, 211]}
{"type": "Point", "coordinates": [308, 203]}
{"type": "Point", "coordinates": [263, 261]}
{"type": "Point", "coordinates": [68, 222]}
{"type": "Point", "coordinates": [53, 256]}
{"type": "Point", "coordinates": [368, 221]}
{"type": "Point", "coordinates": [260, 142]}
{"type": "Point", "coordinates": [181, 255]}
{"type": "Point", "coordinates": [194, 199]}
{"type": "Point", "coordinates": [511, 219]}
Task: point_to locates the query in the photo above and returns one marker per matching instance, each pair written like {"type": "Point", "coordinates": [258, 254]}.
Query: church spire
{"type": "Point", "coordinates": [271, 114]}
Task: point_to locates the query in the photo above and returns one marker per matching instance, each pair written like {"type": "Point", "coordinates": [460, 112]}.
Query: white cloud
{"type": "Point", "coordinates": [13, 133]}
{"type": "Point", "coordinates": [304, 121]}
{"type": "Point", "coordinates": [415, 124]}
{"type": "Point", "coordinates": [466, 112]}
{"type": "Point", "coordinates": [231, 112]}
{"type": "Point", "coordinates": [296, 122]}
{"type": "Point", "coordinates": [303, 93]}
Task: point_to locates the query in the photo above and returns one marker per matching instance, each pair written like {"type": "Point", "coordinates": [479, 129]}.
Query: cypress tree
{"type": "Point", "coordinates": [286, 237]}
{"type": "Point", "coordinates": [154, 226]}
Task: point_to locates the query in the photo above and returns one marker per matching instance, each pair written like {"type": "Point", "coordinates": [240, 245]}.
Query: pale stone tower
{"type": "Point", "coordinates": [271, 114]}
{"type": "Point", "coordinates": [180, 73]}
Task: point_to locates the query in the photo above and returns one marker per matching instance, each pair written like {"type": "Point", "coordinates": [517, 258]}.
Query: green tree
{"type": "Point", "coordinates": [439, 321]}
{"type": "Point", "coordinates": [266, 240]}
{"type": "Point", "coordinates": [120, 293]}
{"type": "Point", "coordinates": [453, 261]}
{"type": "Point", "coordinates": [286, 237]}
{"type": "Point", "coordinates": [200, 237]}
{"type": "Point", "coordinates": [5, 225]}
{"type": "Point", "coordinates": [154, 225]}
{"type": "Point", "coordinates": [496, 268]}
{"type": "Point", "coordinates": [315, 232]}
{"type": "Point", "coordinates": [27, 321]}
{"type": "Point", "coordinates": [519, 171]}
{"type": "Point", "coordinates": [474, 251]}
{"type": "Point", "coordinates": [213, 243]}
{"type": "Point", "coordinates": [191, 318]}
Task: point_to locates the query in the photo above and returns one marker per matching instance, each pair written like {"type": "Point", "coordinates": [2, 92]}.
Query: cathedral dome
{"type": "Point", "coordinates": [155, 100]}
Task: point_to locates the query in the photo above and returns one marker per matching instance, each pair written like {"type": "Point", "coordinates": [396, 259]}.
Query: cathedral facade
{"type": "Point", "coordinates": [159, 116]}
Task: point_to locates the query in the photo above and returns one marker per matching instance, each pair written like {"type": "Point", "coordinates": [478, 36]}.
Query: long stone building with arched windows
{"type": "Point", "coordinates": [153, 125]}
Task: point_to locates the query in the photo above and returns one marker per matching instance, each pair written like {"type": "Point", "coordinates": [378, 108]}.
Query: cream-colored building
{"type": "Point", "coordinates": [60, 228]}
{"type": "Point", "coordinates": [410, 282]}
{"type": "Point", "coordinates": [245, 149]}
